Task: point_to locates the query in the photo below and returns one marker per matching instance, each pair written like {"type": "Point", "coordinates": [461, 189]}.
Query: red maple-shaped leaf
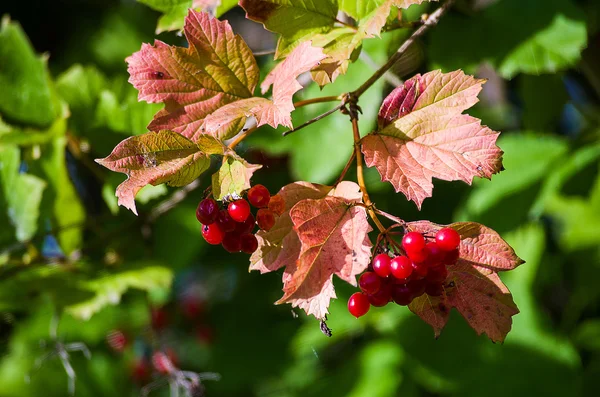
{"type": "Point", "coordinates": [217, 68]}
{"type": "Point", "coordinates": [155, 158]}
{"type": "Point", "coordinates": [277, 111]}
{"type": "Point", "coordinates": [333, 233]}
{"type": "Point", "coordinates": [473, 286]}
{"type": "Point", "coordinates": [425, 135]}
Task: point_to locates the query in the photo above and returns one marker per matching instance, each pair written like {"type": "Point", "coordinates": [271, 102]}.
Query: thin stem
{"type": "Point", "coordinates": [320, 99]}
{"type": "Point", "coordinates": [263, 53]}
{"type": "Point", "coordinates": [346, 24]}
{"type": "Point", "coordinates": [431, 20]}
{"type": "Point", "coordinates": [177, 197]}
{"type": "Point", "coordinates": [359, 171]}
{"type": "Point", "coordinates": [346, 168]}
{"type": "Point", "coordinates": [241, 137]}
{"type": "Point", "coordinates": [314, 120]}
{"type": "Point", "coordinates": [392, 218]}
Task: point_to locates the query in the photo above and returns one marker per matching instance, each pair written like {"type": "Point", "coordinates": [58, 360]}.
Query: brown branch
{"type": "Point", "coordinates": [241, 137]}
{"type": "Point", "coordinates": [314, 120]}
{"type": "Point", "coordinates": [346, 168]}
{"type": "Point", "coordinates": [168, 204]}
{"type": "Point", "coordinates": [263, 53]}
{"type": "Point", "coordinates": [320, 99]}
{"type": "Point", "coordinates": [431, 20]}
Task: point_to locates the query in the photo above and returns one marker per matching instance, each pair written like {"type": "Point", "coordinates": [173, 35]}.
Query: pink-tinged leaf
{"type": "Point", "coordinates": [479, 245]}
{"type": "Point", "coordinates": [217, 68]}
{"type": "Point", "coordinates": [155, 158]}
{"type": "Point", "coordinates": [408, 3]}
{"type": "Point", "coordinates": [400, 101]}
{"type": "Point", "coordinates": [233, 177]}
{"type": "Point", "coordinates": [280, 245]}
{"type": "Point", "coordinates": [334, 240]}
{"type": "Point", "coordinates": [433, 139]}
{"type": "Point", "coordinates": [283, 78]}
{"type": "Point", "coordinates": [480, 297]}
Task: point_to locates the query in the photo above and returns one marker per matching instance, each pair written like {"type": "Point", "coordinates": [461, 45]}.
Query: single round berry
{"type": "Point", "coordinates": [369, 283]}
{"type": "Point", "coordinates": [239, 210]}
{"type": "Point", "coordinates": [162, 363]}
{"type": "Point", "coordinates": [249, 243]}
{"type": "Point", "coordinates": [117, 340]}
{"type": "Point", "coordinates": [381, 297]}
{"type": "Point", "coordinates": [259, 196]}
{"type": "Point", "coordinates": [434, 254]}
{"type": "Point", "coordinates": [437, 274]}
{"type": "Point", "coordinates": [277, 204]}
{"type": "Point", "coordinates": [419, 270]}
{"type": "Point", "coordinates": [450, 257]}
{"type": "Point", "coordinates": [401, 267]}
{"type": "Point", "coordinates": [417, 287]}
{"type": "Point", "coordinates": [265, 219]}
{"type": "Point", "coordinates": [225, 222]}
{"type": "Point", "coordinates": [358, 304]}
{"type": "Point", "coordinates": [245, 227]}
{"type": "Point", "coordinates": [381, 265]}
{"type": "Point", "coordinates": [401, 294]}
{"type": "Point", "coordinates": [447, 239]}
{"type": "Point", "coordinates": [434, 289]}
{"type": "Point", "coordinates": [418, 256]}
{"type": "Point", "coordinates": [232, 242]}
{"type": "Point", "coordinates": [212, 234]}
{"type": "Point", "coordinates": [207, 211]}
{"type": "Point", "coordinates": [413, 242]}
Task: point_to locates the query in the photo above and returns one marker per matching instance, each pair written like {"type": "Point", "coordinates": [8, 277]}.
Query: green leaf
{"type": "Point", "coordinates": [22, 193]}
{"type": "Point", "coordinates": [80, 87]}
{"type": "Point", "coordinates": [26, 97]}
{"type": "Point", "coordinates": [27, 136]}
{"type": "Point", "coordinates": [544, 36]}
{"type": "Point", "coordinates": [109, 289]}
{"type": "Point", "coordinates": [233, 177]}
{"type": "Point", "coordinates": [543, 100]}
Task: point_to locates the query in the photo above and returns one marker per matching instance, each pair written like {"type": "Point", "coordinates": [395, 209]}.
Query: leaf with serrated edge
{"type": "Point", "coordinates": [233, 177]}
{"type": "Point", "coordinates": [334, 240]}
{"type": "Point", "coordinates": [280, 245]}
{"type": "Point", "coordinates": [480, 297]}
{"type": "Point", "coordinates": [154, 158]}
{"type": "Point", "coordinates": [433, 139]}
{"type": "Point", "coordinates": [217, 68]}
{"type": "Point", "coordinates": [278, 111]}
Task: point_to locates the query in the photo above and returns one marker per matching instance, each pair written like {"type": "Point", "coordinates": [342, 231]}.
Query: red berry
{"type": "Point", "coordinates": [249, 243]}
{"type": "Point", "coordinates": [381, 265]}
{"type": "Point", "coordinates": [207, 211]}
{"type": "Point", "coordinates": [419, 271]}
{"type": "Point", "coordinates": [434, 289]}
{"type": "Point", "coordinates": [437, 274]}
{"type": "Point", "coordinates": [245, 227]}
{"type": "Point", "coordinates": [117, 340]}
{"type": "Point", "coordinates": [226, 224]}
{"type": "Point", "coordinates": [358, 304]}
{"type": "Point", "coordinates": [162, 363]}
{"type": "Point", "coordinates": [381, 297]}
{"type": "Point", "coordinates": [232, 242]}
{"type": "Point", "coordinates": [447, 239]}
{"type": "Point", "coordinates": [265, 219]}
{"type": "Point", "coordinates": [401, 267]}
{"type": "Point", "coordinates": [418, 256]}
{"type": "Point", "coordinates": [413, 242]}
{"type": "Point", "coordinates": [369, 283]}
{"type": "Point", "coordinates": [401, 294]}
{"type": "Point", "coordinates": [451, 257]}
{"type": "Point", "coordinates": [140, 371]}
{"type": "Point", "coordinates": [417, 287]}
{"type": "Point", "coordinates": [277, 204]}
{"type": "Point", "coordinates": [239, 210]}
{"type": "Point", "coordinates": [212, 233]}
{"type": "Point", "coordinates": [259, 196]}
{"type": "Point", "coordinates": [434, 254]}
{"type": "Point", "coordinates": [159, 318]}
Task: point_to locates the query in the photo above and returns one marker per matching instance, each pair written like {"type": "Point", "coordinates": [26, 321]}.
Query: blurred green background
{"type": "Point", "coordinates": [66, 248]}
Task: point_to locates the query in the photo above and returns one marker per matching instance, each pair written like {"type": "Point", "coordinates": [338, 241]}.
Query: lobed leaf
{"type": "Point", "coordinates": [424, 135]}
{"type": "Point", "coordinates": [155, 158]}
{"type": "Point", "coordinates": [233, 177]}
{"type": "Point", "coordinates": [217, 68]}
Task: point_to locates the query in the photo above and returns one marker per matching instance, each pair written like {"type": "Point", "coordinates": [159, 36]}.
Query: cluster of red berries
{"type": "Point", "coordinates": [405, 277]}
{"type": "Point", "coordinates": [233, 227]}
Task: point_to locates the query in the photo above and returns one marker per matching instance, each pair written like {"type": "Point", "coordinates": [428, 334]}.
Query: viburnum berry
{"type": "Point", "coordinates": [259, 196]}
{"type": "Point", "coordinates": [437, 274]}
{"type": "Point", "coordinates": [450, 257]}
{"type": "Point", "coordinates": [358, 304]}
{"type": "Point", "coordinates": [162, 363]}
{"type": "Point", "coordinates": [277, 204]}
{"type": "Point", "coordinates": [249, 243]}
{"type": "Point", "coordinates": [434, 289]}
{"type": "Point", "coordinates": [245, 227]}
{"type": "Point", "coordinates": [417, 287]}
{"type": "Point", "coordinates": [369, 283]}
{"type": "Point", "coordinates": [265, 219]}
{"type": "Point", "coordinates": [381, 297]}
{"type": "Point", "coordinates": [447, 239]}
{"type": "Point", "coordinates": [232, 242]}
{"type": "Point", "coordinates": [225, 222]}
{"type": "Point", "coordinates": [419, 270]}
{"type": "Point", "coordinates": [413, 242]}
{"type": "Point", "coordinates": [418, 256]}
{"type": "Point", "coordinates": [117, 340]}
{"type": "Point", "coordinates": [401, 294]}
{"type": "Point", "coordinates": [434, 254]}
{"type": "Point", "coordinates": [207, 211]}
{"type": "Point", "coordinates": [381, 265]}
{"type": "Point", "coordinates": [401, 267]}
{"type": "Point", "coordinates": [212, 233]}
{"type": "Point", "coordinates": [159, 318]}
{"type": "Point", "coordinates": [239, 210]}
